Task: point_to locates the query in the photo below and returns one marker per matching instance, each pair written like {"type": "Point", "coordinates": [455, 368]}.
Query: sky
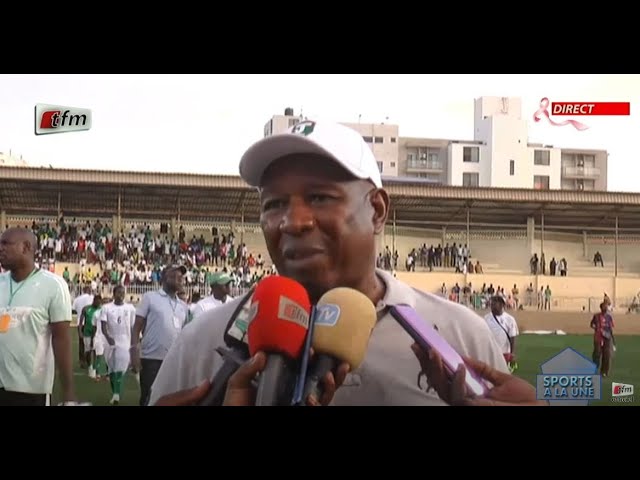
{"type": "Point", "coordinates": [204, 123]}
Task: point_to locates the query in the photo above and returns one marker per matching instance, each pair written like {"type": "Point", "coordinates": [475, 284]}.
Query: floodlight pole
{"type": "Point", "coordinates": [616, 250]}
{"type": "Point", "coordinates": [541, 233]}
{"type": "Point", "coordinates": [393, 237]}
{"type": "Point", "coordinates": [468, 233]}
{"type": "Point", "coordinates": [118, 228]}
{"type": "Point", "coordinates": [242, 223]}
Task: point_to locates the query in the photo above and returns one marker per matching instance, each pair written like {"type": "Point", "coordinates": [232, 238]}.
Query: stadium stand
{"type": "Point", "coordinates": [502, 229]}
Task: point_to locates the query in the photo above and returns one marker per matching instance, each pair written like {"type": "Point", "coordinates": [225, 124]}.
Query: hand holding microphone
{"type": "Point", "coordinates": [279, 330]}
{"type": "Point", "coordinates": [342, 323]}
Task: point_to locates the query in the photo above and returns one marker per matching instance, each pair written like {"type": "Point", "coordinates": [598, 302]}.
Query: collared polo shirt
{"type": "Point", "coordinates": [165, 316]}
{"type": "Point", "coordinates": [387, 377]}
{"type": "Point", "coordinates": [27, 362]}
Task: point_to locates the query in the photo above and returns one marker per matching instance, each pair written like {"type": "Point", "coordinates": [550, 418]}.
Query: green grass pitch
{"type": "Point", "coordinates": [532, 351]}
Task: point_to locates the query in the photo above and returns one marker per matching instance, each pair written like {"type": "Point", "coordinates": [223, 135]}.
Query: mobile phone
{"type": "Point", "coordinates": [428, 337]}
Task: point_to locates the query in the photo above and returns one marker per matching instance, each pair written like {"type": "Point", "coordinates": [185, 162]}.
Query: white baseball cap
{"type": "Point", "coordinates": [332, 140]}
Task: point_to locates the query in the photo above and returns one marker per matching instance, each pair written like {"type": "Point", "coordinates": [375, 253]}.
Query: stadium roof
{"type": "Point", "coordinates": [88, 193]}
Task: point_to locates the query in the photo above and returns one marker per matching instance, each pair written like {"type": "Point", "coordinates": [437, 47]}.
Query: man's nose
{"type": "Point", "coordinates": [297, 218]}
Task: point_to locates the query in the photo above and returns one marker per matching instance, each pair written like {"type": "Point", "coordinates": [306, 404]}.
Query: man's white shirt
{"type": "Point", "coordinates": [80, 302]}
{"type": "Point", "coordinates": [508, 323]}
{"type": "Point", "coordinates": [207, 303]}
{"type": "Point", "coordinates": [119, 320]}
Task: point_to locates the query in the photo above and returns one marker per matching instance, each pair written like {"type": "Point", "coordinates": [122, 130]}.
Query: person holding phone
{"type": "Point", "coordinates": [507, 389]}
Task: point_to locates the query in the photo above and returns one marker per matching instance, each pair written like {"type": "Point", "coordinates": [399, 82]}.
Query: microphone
{"type": "Point", "coordinates": [278, 329]}
{"type": "Point", "coordinates": [234, 356]}
{"type": "Point", "coordinates": [342, 324]}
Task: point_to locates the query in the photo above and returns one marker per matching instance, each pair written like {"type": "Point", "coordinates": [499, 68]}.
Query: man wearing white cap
{"type": "Point", "coordinates": [220, 294]}
{"type": "Point", "coordinates": [322, 205]}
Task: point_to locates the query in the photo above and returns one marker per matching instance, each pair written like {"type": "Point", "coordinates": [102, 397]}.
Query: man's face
{"type": "Point", "coordinates": [221, 292]}
{"type": "Point", "coordinates": [118, 295]}
{"type": "Point", "coordinates": [11, 249]}
{"type": "Point", "coordinates": [319, 223]}
{"type": "Point", "coordinates": [174, 279]}
{"type": "Point", "coordinates": [496, 307]}
{"type": "Point", "coordinates": [182, 295]}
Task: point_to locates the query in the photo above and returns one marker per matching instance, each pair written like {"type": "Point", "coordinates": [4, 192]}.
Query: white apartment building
{"type": "Point", "coordinates": [498, 156]}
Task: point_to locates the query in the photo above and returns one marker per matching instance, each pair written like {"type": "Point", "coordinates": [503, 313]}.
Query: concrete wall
{"type": "Point", "coordinates": [568, 293]}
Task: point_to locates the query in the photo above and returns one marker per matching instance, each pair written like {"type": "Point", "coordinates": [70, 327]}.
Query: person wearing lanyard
{"type": "Point", "coordinates": [35, 319]}
{"type": "Point", "coordinates": [505, 330]}
{"type": "Point", "coordinates": [160, 317]}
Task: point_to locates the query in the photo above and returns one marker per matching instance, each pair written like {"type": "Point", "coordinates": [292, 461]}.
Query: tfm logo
{"type": "Point", "coordinates": [59, 119]}
{"type": "Point", "coordinates": [55, 119]}
{"type": "Point", "coordinates": [621, 389]}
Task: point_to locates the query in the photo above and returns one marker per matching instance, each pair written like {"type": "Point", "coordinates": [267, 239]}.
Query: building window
{"type": "Point", "coordinates": [424, 158]}
{"type": "Point", "coordinates": [393, 164]}
{"type": "Point", "coordinates": [432, 177]}
{"type": "Point", "coordinates": [393, 139]}
{"type": "Point", "coordinates": [470, 179]}
{"type": "Point", "coordinates": [512, 167]}
{"type": "Point", "coordinates": [378, 139]}
{"type": "Point", "coordinates": [471, 154]}
{"type": "Point", "coordinates": [541, 182]}
{"type": "Point", "coordinates": [379, 166]}
{"type": "Point", "coordinates": [541, 157]}
{"type": "Point", "coordinates": [293, 121]}
{"type": "Point", "coordinates": [368, 139]}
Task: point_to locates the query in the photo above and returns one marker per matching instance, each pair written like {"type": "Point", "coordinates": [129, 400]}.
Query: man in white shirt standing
{"type": "Point", "coordinates": [220, 294]}
{"type": "Point", "coordinates": [160, 316]}
{"type": "Point", "coordinates": [117, 319]}
{"type": "Point", "coordinates": [79, 303]}
{"type": "Point", "coordinates": [505, 330]}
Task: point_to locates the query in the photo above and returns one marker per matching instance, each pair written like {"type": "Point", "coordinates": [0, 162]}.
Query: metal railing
{"type": "Point", "coordinates": [138, 290]}
{"type": "Point", "coordinates": [424, 164]}
{"type": "Point", "coordinates": [557, 304]}
{"type": "Point", "coordinates": [581, 172]}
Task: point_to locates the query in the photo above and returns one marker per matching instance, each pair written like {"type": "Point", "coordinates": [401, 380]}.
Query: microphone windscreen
{"type": "Point", "coordinates": [343, 323]}
{"type": "Point", "coordinates": [282, 308]}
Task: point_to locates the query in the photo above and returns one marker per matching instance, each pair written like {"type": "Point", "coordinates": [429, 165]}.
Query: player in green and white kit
{"type": "Point", "coordinates": [100, 347]}
{"type": "Point", "coordinates": [87, 326]}
{"type": "Point", "coordinates": [117, 319]}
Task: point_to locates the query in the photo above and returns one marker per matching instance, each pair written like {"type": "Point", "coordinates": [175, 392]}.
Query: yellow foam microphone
{"type": "Point", "coordinates": [343, 320]}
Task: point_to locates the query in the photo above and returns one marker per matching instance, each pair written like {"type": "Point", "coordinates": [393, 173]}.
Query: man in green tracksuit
{"type": "Point", "coordinates": [88, 327]}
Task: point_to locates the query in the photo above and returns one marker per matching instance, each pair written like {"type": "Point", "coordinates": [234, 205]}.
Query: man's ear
{"type": "Point", "coordinates": [380, 202]}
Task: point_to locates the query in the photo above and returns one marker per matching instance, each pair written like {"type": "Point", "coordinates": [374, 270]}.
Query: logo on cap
{"type": "Point", "coordinates": [304, 128]}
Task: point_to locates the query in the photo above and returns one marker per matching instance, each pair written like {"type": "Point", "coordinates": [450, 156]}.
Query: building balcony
{"type": "Point", "coordinates": [580, 172]}
{"type": "Point", "coordinates": [424, 166]}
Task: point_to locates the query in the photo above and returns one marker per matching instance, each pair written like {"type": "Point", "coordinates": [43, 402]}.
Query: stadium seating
{"type": "Point", "coordinates": [503, 254]}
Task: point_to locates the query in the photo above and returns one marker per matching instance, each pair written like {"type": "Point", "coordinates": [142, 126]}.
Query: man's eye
{"type": "Point", "coordinates": [271, 204]}
{"type": "Point", "coordinates": [319, 198]}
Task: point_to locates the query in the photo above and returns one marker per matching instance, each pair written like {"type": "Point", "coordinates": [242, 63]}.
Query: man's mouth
{"type": "Point", "coordinates": [302, 253]}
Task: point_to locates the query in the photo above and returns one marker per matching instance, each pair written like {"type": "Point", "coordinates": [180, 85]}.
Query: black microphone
{"type": "Point", "coordinates": [233, 359]}
{"type": "Point", "coordinates": [234, 356]}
